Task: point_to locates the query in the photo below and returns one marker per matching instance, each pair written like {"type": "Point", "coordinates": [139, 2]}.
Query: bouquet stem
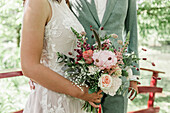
{"type": "Point", "coordinates": [89, 109]}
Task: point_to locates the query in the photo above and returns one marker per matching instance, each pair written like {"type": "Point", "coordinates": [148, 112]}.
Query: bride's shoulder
{"type": "Point", "coordinates": [36, 3]}
{"type": "Point", "coordinates": [39, 9]}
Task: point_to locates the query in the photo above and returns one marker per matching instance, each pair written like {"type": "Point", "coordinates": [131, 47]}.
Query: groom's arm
{"type": "Point", "coordinates": [131, 26]}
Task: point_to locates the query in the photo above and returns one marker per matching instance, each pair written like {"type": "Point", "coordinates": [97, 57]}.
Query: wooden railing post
{"type": "Point", "coordinates": [152, 89]}
{"type": "Point", "coordinates": [153, 83]}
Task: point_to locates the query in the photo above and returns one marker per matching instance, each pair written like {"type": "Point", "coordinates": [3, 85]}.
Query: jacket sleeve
{"type": "Point", "coordinates": [131, 26]}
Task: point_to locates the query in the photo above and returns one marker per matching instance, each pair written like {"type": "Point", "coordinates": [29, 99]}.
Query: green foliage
{"type": "Point", "coordinates": [153, 16]}
{"type": "Point", "coordinates": [14, 93]}
{"type": "Point", "coordinates": [10, 18]}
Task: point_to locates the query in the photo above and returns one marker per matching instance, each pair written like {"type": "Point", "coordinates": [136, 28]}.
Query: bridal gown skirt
{"type": "Point", "coordinates": [42, 100]}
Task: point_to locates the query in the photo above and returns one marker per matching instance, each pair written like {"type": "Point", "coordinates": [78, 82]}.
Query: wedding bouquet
{"type": "Point", "coordinates": [98, 66]}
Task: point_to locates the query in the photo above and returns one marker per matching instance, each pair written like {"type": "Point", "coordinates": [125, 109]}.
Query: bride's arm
{"type": "Point", "coordinates": [36, 14]}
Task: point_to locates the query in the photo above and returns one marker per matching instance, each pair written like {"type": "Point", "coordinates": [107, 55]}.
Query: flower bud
{"type": "Point", "coordinates": [83, 33]}
{"type": "Point", "coordinates": [120, 42]}
{"type": "Point", "coordinates": [102, 28]}
{"type": "Point", "coordinates": [144, 58]}
{"type": "Point", "coordinates": [137, 69]}
{"type": "Point", "coordinates": [153, 64]}
{"type": "Point", "coordinates": [144, 49]}
{"type": "Point", "coordinates": [69, 53]}
{"type": "Point", "coordinates": [114, 36]}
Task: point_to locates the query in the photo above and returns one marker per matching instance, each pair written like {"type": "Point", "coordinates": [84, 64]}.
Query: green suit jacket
{"type": "Point", "coordinates": [119, 18]}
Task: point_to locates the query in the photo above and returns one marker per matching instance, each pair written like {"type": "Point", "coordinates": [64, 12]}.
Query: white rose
{"type": "Point", "coordinates": [105, 82]}
{"type": "Point", "coordinates": [116, 83]}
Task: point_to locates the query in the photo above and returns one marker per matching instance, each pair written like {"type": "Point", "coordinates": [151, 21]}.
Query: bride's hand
{"type": "Point", "coordinates": [91, 98]}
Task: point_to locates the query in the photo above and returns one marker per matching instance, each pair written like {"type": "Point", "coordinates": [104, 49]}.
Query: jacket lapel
{"type": "Point", "coordinates": [91, 5]}
{"type": "Point", "coordinates": [109, 8]}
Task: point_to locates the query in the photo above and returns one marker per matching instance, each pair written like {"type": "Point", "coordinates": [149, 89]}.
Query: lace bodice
{"type": "Point", "coordinates": [58, 35]}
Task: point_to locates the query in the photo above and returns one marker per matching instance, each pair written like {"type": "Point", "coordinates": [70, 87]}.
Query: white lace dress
{"type": "Point", "coordinates": [58, 38]}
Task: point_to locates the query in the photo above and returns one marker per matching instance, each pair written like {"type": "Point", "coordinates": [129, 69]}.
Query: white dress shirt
{"type": "Point", "coordinates": [100, 7]}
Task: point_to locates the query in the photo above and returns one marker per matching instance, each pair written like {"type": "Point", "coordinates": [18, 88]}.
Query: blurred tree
{"type": "Point", "coordinates": [154, 16]}
{"type": "Point", "coordinates": [10, 25]}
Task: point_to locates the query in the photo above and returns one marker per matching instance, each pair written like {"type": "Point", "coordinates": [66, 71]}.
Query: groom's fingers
{"type": "Point", "coordinates": [93, 104]}
{"type": "Point", "coordinates": [32, 86]}
{"type": "Point", "coordinates": [132, 92]}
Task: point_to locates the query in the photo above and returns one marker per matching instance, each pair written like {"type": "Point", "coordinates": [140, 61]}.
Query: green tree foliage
{"type": "Point", "coordinates": [154, 16]}
{"type": "Point", "coordinates": [10, 25]}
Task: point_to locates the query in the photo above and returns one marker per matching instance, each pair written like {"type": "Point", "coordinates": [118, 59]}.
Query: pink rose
{"type": "Point", "coordinates": [109, 84]}
{"type": "Point", "coordinates": [104, 59]}
{"type": "Point", "coordinates": [105, 81]}
{"type": "Point", "coordinates": [87, 55]}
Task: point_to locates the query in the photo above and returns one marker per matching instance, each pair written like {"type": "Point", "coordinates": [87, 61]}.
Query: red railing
{"type": "Point", "coordinates": [152, 89]}
{"type": "Point", "coordinates": [12, 74]}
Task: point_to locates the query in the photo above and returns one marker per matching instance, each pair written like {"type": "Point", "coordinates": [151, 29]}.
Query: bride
{"type": "Point", "coordinates": [46, 31]}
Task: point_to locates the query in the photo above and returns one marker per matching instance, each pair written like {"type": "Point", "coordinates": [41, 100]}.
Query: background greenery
{"type": "Point", "coordinates": [153, 23]}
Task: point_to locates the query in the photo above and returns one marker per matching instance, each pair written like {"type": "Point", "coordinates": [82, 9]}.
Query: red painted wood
{"type": "Point", "coordinates": [11, 74]}
{"type": "Point", "coordinates": [100, 109]}
{"type": "Point", "coordinates": [148, 89]}
{"type": "Point", "coordinates": [20, 111]}
{"type": "Point", "coordinates": [149, 110]}
{"type": "Point", "coordinates": [152, 70]}
{"type": "Point", "coordinates": [152, 94]}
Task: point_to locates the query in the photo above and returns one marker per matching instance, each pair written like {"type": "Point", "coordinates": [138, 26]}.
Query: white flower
{"type": "Point", "coordinates": [93, 69]}
{"type": "Point", "coordinates": [130, 73]}
{"type": "Point", "coordinates": [111, 86]}
{"type": "Point", "coordinates": [118, 71]}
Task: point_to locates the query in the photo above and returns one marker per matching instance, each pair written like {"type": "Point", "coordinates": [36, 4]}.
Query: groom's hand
{"type": "Point", "coordinates": [133, 87]}
{"type": "Point", "coordinates": [31, 84]}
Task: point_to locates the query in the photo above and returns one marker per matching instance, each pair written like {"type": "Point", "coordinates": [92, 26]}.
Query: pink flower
{"type": "Point", "coordinates": [83, 33]}
{"type": "Point", "coordinates": [109, 84]}
{"type": "Point", "coordinates": [87, 55]}
{"type": "Point", "coordinates": [105, 81]}
{"type": "Point", "coordinates": [120, 42]}
{"type": "Point", "coordinates": [104, 59]}
{"type": "Point", "coordinates": [119, 57]}
{"type": "Point", "coordinates": [107, 41]}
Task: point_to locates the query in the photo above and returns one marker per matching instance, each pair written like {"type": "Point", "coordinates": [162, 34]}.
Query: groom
{"type": "Point", "coordinates": [111, 16]}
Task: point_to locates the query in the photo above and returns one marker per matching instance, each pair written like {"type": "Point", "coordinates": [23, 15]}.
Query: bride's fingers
{"type": "Point", "coordinates": [97, 100]}
{"type": "Point", "coordinates": [99, 92]}
{"type": "Point", "coordinates": [94, 105]}
{"type": "Point", "coordinates": [101, 95]}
